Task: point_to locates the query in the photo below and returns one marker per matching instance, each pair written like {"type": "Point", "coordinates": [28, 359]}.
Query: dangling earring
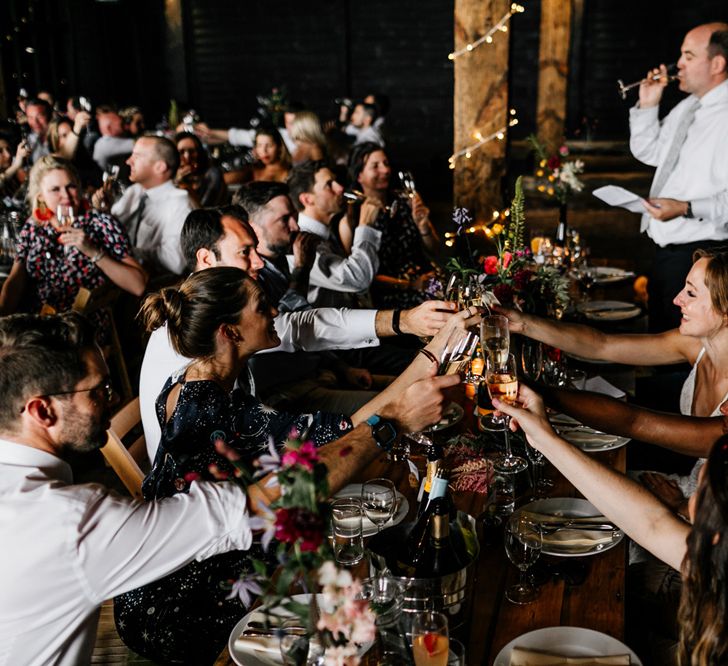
{"type": "Point", "coordinates": [42, 213]}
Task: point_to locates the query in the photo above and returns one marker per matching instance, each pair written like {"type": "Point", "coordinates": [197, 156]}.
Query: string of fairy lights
{"type": "Point", "coordinates": [487, 38]}
{"type": "Point", "coordinates": [499, 134]}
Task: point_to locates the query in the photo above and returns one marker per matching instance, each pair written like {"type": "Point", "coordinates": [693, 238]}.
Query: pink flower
{"type": "Point", "coordinates": [305, 456]}
{"type": "Point", "coordinates": [490, 265]}
{"type": "Point", "coordinates": [224, 450]}
{"type": "Point", "coordinates": [507, 256]}
{"type": "Point", "coordinates": [191, 476]}
{"type": "Point", "coordinates": [564, 150]}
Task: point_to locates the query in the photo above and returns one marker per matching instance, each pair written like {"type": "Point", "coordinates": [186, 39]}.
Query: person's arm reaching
{"type": "Point", "coordinates": [626, 503]}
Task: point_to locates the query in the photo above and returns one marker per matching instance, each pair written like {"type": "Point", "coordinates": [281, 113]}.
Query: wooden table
{"type": "Point", "coordinates": [598, 603]}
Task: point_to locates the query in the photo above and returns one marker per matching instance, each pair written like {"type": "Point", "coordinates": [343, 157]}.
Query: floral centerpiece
{"type": "Point", "coordinates": [511, 275]}
{"type": "Point", "coordinates": [300, 521]}
{"type": "Point", "coordinates": [556, 176]}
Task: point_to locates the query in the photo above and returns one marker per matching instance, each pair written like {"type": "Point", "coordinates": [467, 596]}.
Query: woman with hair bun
{"type": "Point", "coordinates": [219, 317]}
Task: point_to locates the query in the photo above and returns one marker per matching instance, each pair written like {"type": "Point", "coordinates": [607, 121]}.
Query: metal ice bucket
{"type": "Point", "coordinates": [451, 594]}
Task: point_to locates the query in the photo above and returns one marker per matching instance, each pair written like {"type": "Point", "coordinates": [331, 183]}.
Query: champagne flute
{"type": "Point", "coordinates": [502, 382]}
{"type": "Point", "coordinates": [532, 359]}
{"type": "Point", "coordinates": [378, 499]}
{"type": "Point", "coordinates": [408, 184]}
{"type": "Point", "coordinates": [64, 218]}
{"type": "Point", "coordinates": [523, 543]}
{"type": "Point", "coordinates": [495, 341]}
{"type": "Point", "coordinates": [430, 640]}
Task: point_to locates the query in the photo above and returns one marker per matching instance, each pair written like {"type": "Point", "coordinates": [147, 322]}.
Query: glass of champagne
{"type": "Point", "coordinates": [502, 382]}
{"type": "Point", "coordinates": [523, 542]}
{"type": "Point", "coordinates": [532, 359]}
{"type": "Point", "coordinates": [495, 341]}
{"type": "Point", "coordinates": [378, 499]}
{"type": "Point", "coordinates": [64, 218]}
{"type": "Point", "coordinates": [430, 642]}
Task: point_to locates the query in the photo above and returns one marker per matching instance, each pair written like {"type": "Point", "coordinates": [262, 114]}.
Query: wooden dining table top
{"type": "Point", "coordinates": [596, 603]}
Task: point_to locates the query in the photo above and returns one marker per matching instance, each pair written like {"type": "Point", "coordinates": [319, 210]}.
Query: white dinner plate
{"type": "Point", "coordinates": [568, 641]}
{"type": "Point", "coordinates": [609, 310]}
{"type": "Point", "coordinates": [586, 438]}
{"type": "Point", "coordinates": [261, 657]}
{"type": "Point", "coordinates": [368, 527]}
{"type": "Point", "coordinates": [452, 415]}
{"type": "Point", "coordinates": [608, 274]}
{"type": "Point", "coordinates": [572, 507]}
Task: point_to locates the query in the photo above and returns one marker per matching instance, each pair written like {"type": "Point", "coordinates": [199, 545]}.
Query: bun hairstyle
{"type": "Point", "coordinates": [195, 310]}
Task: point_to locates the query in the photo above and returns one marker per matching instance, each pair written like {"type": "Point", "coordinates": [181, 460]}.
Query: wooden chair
{"type": "Point", "coordinates": [127, 462]}
{"type": "Point", "coordinates": [103, 298]}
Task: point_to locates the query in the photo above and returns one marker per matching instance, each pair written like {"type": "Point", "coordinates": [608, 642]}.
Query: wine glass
{"type": "Point", "coordinates": [495, 341]}
{"type": "Point", "coordinates": [408, 184]}
{"type": "Point", "coordinates": [523, 542]}
{"type": "Point", "coordinates": [64, 218]}
{"type": "Point", "coordinates": [532, 359]}
{"type": "Point", "coordinates": [541, 485]}
{"type": "Point", "coordinates": [502, 382]}
{"type": "Point", "coordinates": [430, 641]}
{"type": "Point", "coordinates": [378, 499]}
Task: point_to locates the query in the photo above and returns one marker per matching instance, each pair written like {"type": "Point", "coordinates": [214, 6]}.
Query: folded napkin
{"type": "Point", "coordinates": [525, 657]}
{"type": "Point", "coordinates": [600, 385]}
{"type": "Point", "coordinates": [265, 644]}
{"type": "Point", "coordinates": [587, 437]}
{"type": "Point", "coordinates": [576, 541]}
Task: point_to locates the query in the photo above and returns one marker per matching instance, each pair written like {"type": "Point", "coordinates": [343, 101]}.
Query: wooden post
{"type": "Point", "coordinates": [481, 104]}
{"type": "Point", "coordinates": [176, 64]}
{"type": "Point", "coordinates": [553, 71]}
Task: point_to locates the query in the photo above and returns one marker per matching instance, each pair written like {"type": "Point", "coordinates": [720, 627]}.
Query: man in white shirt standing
{"type": "Point", "coordinates": [363, 125]}
{"type": "Point", "coordinates": [688, 204]}
{"type": "Point", "coordinates": [153, 210]}
{"type": "Point", "coordinates": [112, 143]}
{"type": "Point", "coordinates": [336, 279]}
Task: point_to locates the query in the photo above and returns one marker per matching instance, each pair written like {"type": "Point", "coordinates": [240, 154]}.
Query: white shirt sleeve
{"type": "Point", "coordinates": [348, 274]}
{"type": "Point", "coordinates": [319, 329]}
{"type": "Point", "coordinates": [241, 137]}
{"type": "Point", "coordinates": [647, 136]}
{"type": "Point", "coordinates": [125, 544]}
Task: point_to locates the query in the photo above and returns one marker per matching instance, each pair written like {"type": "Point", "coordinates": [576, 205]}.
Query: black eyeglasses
{"type": "Point", "coordinates": [105, 385]}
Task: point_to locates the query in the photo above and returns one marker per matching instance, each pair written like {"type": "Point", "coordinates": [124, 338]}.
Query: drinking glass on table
{"type": "Point", "coordinates": [430, 642]}
{"type": "Point", "coordinates": [523, 543]}
{"type": "Point", "coordinates": [502, 382]}
{"type": "Point", "coordinates": [541, 485]}
{"type": "Point", "coordinates": [378, 499]}
{"type": "Point", "coordinates": [346, 527]}
{"type": "Point", "coordinates": [532, 359]}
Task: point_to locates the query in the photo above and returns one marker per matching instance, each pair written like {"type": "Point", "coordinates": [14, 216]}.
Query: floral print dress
{"type": "Point", "coordinates": [58, 272]}
{"type": "Point", "coordinates": [186, 617]}
{"type": "Point", "coordinates": [401, 255]}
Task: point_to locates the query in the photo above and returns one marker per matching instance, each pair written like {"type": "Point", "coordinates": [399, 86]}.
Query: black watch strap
{"type": "Point", "coordinates": [383, 432]}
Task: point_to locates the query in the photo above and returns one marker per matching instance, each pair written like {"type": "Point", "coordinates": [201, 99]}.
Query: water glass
{"type": "Point", "coordinates": [296, 646]}
{"type": "Point", "coordinates": [577, 379]}
{"type": "Point", "coordinates": [523, 543]}
{"type": "Point", "coordinates": [346, 527]}
{"type": "Point", "coordinates": [457, 653]}
{"type": "Point", "coordinates": [385, 596]}
{"type": "Point", "coordinates": [430, 641]}
{"type": "Point", "coordinates": [378, 499]}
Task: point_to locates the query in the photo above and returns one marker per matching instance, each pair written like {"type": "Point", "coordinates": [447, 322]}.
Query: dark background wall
{"type": "Point", "coordinates": [323, 49]}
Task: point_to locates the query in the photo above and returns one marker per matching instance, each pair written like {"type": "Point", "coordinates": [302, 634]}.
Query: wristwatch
{"type": "Point", "coordinates": [689, 211]}
{"type": "Point", "coordinates": [383, 432]}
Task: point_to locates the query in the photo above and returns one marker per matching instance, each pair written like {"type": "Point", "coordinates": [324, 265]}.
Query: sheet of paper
{"type": "Point", "coordinates": [600, 385]}
{"type": "Point", "coordinates": [618, 196]}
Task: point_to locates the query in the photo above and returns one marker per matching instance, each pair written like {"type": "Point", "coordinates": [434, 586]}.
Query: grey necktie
{"type": "Point", "coordinates": [673, 154]}
{"type": "Point", "coordinates": [136, 219]}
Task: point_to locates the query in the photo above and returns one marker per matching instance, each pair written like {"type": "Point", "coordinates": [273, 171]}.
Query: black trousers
{"type": "Point", "coordinates": [671, 267]}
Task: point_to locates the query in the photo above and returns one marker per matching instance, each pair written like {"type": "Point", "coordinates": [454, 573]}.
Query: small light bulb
{"type": "Point", "coordinates": [469, 47]}
{"type": "Point", "coordinates": [489, 39]}
{"type": "Point", "coordinates": [499, 136]}
{"type": "Point", "coordinates": [451, 56]}
{"type": "Point", "coordinates": [504, 28]}
{"type": "Point", "coordinates": [468, 155]}
{"type": "Point", "coordinates": [496, 214]}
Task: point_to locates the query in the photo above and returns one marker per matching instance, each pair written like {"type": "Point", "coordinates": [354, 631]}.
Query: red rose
{"type": "Point", "coordinates": [298, 524]}
{"type": "Point", "coordinates": [490, 265]}
{"type": "Point", "coordinates": [507, 256]}
{"type": "Point", "coordinates": [554, 162]}
{"type": "Point", "coordinates": [522, 278]}
{"type": "Point", "coordinates": [504, 293]}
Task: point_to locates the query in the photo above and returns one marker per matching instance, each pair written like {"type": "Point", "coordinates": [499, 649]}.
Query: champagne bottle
{"type": "Point", "coordinates": [434, 462]}
{"type": "Point", "coordinates": [440, 557]}
{"type": "Point", "coordinates": [419, 534]}
{"type": "Point", "coordinates": [561, 230]}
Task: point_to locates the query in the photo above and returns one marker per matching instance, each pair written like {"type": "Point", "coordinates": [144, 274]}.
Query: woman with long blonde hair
{"type": "Point", "coordinates": [309, 136]}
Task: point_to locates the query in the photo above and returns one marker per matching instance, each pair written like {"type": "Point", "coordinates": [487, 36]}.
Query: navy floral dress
{"type": "Point", "coordinates": [401, 254]}
{"type": "Point", "coordinates": [57, 272]}
{"type": "Point", "coordinates": [185, 618]}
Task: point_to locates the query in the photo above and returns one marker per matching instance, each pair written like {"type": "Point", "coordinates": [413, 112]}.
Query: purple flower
{"type": "Point", "coordinates": [244, 588]}
{"type": "Point", "coordinates": [268, 462]}
{"type": "Point", "coordinates": [265, 523]}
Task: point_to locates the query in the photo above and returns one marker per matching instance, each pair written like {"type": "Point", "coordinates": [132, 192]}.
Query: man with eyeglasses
{"type": "Point", "coordinates": [66, 548]}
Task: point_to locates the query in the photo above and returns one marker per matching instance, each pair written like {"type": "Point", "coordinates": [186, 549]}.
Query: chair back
{"type": "Point", "coordinates": [126, 461]}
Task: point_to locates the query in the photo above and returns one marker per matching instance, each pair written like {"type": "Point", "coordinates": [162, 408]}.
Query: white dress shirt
{"type": "Point", "coordinates": [158, 236]}
{"type": "Point", "coordinates": [67, 548]}
{"type": "Point", "coordinates": [318, 329]}
{"type": "Point", "coordinates": [371, 134]}
{"type": "Point", "coordinates": [336, 278]}
{"type": "Point", "coordinates": [701, 173]}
